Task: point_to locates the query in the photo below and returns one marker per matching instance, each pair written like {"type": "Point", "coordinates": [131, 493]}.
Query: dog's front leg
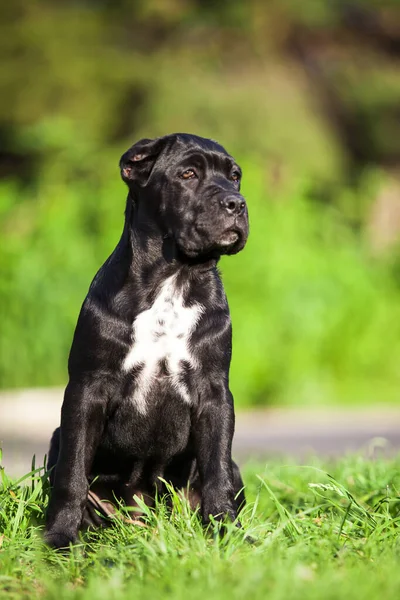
{"type": "Point", "coordinates": [82, 423]}
{"type": "Point", "coordinates": [213, 432]}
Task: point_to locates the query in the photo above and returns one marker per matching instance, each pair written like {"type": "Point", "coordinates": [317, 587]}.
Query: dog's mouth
{"type": "Point", "coordinates": [228, 238]}
{"type": "Point", "coordinates": [229, 241]}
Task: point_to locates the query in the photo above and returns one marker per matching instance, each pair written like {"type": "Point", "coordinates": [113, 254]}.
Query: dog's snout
{"type": "Point", "coordinates": [234, 205]}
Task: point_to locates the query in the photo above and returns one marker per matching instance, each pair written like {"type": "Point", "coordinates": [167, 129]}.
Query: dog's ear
{"type": "Point", "coordinates": [137, 162]}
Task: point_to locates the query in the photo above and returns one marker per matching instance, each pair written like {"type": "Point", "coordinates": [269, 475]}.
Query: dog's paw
{"type": "Point", "coordinates": [58, 540]}
{"type": "Point", "coordinates": [219, 514]}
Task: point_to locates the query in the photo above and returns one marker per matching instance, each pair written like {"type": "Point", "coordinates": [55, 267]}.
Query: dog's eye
{"type": "Point", "coordinates": [188, 174]}
{"type": "Point", "coordinates": [235, 176]}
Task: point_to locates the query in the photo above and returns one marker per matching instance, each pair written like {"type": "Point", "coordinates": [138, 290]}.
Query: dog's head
{"type": "Point", "coordinates": [189, 187]}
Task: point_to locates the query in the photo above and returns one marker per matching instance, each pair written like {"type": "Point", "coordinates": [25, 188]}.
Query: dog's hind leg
{"type": "Point", "coordinates": [102, 504]}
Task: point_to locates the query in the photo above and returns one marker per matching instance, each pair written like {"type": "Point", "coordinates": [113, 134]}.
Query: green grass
{"type": "Point", "coordinates": [320, 531]}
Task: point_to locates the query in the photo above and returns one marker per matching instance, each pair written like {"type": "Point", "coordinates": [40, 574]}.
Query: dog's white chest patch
{"type": "Point", "coordinates": [161, 343]}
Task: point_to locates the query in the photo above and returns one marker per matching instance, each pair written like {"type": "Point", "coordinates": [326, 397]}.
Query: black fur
{"type": "Point", "coordinates": [184, 209]}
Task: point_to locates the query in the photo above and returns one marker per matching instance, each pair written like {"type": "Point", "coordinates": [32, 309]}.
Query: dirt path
{"type": "Point", "coordinates": [28, 417]}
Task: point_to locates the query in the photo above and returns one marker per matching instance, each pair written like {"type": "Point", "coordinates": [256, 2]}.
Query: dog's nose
{"type": "Point", "coordinates": [234, 205]}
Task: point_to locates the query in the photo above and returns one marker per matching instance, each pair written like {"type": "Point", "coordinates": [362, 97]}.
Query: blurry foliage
{"type": "Point", "coordinates": [305, 95]}
{"type": "Point", "coordinates": [316, 317]}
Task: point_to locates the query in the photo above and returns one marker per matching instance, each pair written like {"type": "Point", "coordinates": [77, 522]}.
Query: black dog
{"type": "Point", "coordinates": [148, 393]}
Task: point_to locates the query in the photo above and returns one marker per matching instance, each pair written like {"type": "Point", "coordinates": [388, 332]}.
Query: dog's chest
{"type": "Point", "coordinates": [160, 345]}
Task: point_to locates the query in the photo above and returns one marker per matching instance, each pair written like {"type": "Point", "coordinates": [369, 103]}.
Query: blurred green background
{"type": "Point", "coordinates": [305, 95]}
